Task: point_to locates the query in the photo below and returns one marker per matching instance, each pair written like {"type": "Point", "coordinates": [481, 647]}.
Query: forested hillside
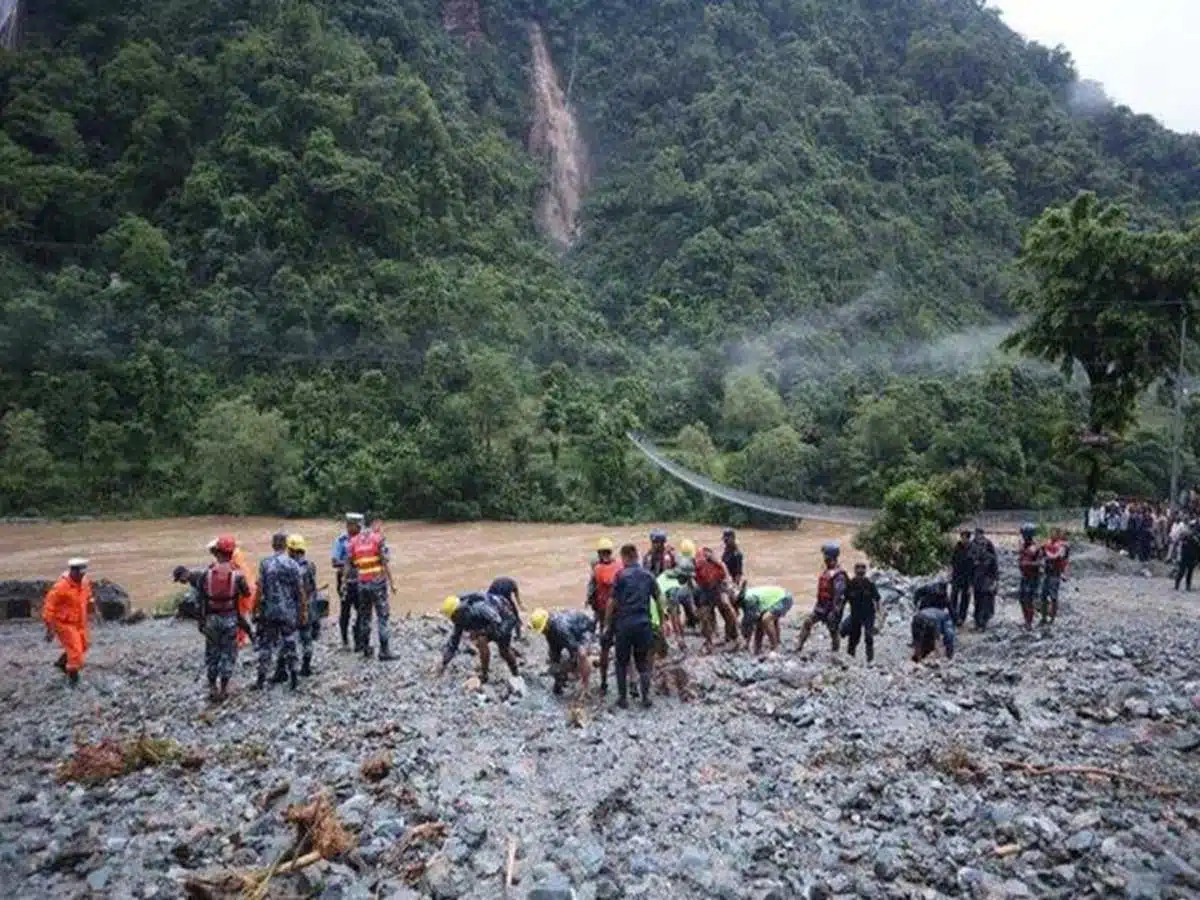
{"type": "Point", "coordinates": [282, 257]}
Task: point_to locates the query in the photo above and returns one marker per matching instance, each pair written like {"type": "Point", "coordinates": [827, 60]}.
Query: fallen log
{"type": "Point", "coordinates": [1030, 769]}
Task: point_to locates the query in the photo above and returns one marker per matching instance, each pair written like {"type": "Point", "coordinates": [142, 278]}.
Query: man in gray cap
{"type": "Point", "coordinates": [347, 584]}
{"type": "Point", "coordinates": [831, 598]}
{"type": "Point", "coordinates": [281, 607]}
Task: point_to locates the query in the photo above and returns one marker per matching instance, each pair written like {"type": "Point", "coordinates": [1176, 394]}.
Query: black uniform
{"type": "Point", "coordinates": [633, 631]}
{"type": "Point", "coordinates": [567, 632]}
{"type": "Point", "coordinates": [1189, 556]}
{"type": "Point", "coordinates": [861, 596]}
{"type": "Point", "coordinates": [507, 588]}
{"type": "Point", "coordinates": [985, 571]}
{"type": "Point", "coordinates": [960, 581]}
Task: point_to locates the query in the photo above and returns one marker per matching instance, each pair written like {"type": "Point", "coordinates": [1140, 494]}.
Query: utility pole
{"type": "Point", "coordinates": [1178, 437]}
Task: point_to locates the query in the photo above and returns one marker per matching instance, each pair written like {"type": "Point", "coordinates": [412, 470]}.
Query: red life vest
{"type": "Point", "coordinates": [826, 583]}
{"type": "Point", "coordinates": [710, 573]}
{"type": "Point", "coordinates": [366, 555]}
{"type": "Point", "coordinates": [1056, 553]}
{"type": "Point", "coordinates": [220, 588]}
{"type": "Point", "coordinates": [1029, 560]}
{"type": "Point", "coordinates": [605, 575]}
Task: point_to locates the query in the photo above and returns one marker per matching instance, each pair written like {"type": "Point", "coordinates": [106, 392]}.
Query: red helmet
{"type": "Point", "coordinates": [226, 543]}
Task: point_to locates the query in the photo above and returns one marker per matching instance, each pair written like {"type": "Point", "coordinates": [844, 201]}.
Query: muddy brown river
{"type": "Point", "coordinates": [550, 562]}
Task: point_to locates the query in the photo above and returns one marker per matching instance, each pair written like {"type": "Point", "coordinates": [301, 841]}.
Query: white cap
{"type": "Point", "coordinates": [212, 545]}
{"type": "Point", "coordinates": [77, 562]}
{"type": "Point", "coordinates": [354, 517]}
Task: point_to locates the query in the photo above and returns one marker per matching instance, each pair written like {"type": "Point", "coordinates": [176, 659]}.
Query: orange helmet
{"type": "Point", "coordinates": [226, 543]}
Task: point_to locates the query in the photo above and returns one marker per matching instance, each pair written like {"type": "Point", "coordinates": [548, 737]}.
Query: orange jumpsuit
{"type": "Point", "coordinates": [65, 612]}
{"type": "Point", "coordinates": [245, 604]}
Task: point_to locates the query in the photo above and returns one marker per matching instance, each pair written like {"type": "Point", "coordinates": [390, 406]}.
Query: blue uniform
{"type": "Point", "coordinates": [279, 581]}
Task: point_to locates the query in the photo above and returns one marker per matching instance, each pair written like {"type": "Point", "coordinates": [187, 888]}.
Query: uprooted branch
{"type": "Point", "coordinates": [407, 857]}
{"type": "Point", "coordinates": [1089, 772]}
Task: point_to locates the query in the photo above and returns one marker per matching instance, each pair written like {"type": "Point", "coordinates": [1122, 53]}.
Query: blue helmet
{"type": "Point", "coordinates": [831, 550]}
{"type": "Point", "coordinates": [1028, 530]}
{"type": "Point", "coordinates": [657, 535]}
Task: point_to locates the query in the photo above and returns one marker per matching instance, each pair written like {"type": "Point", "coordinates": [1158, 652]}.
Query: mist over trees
{"type": "Point", "coordinates": [282, 257]}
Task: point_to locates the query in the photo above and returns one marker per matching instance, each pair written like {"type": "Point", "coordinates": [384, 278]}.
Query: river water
{"type": "Point", "coordinates": [550, 562]}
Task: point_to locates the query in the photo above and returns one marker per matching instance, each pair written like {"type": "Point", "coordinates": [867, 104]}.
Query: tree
{"type": "Point", "coordinates": [1108, 299]}
{"type": "Point", "coordinates": [750, 406]}
{"type": "Point", "coordinates": [26, 465]}
{"type": "Point", "coordinates": [246, 460]}
{"type": "Point", "coordinates": [907, 535]}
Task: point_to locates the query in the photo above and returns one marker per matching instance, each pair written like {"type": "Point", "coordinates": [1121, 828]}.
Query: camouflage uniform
{"type": "Point", "coordinates": [279, 580]}
{"type": "Point", "coordinates": [220, 629]}
{"type": "Point", "coordinates": [310, 632]}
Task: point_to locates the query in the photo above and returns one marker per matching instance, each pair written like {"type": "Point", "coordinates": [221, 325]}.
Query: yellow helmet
{"type": "Point", "coordinates": [538, 620]}
{"type": "Point", "coordinates": [604, 544]}
{"type": "Point", "coordinates": [687, 548]}
{"type": "Point", "coordinates": [296, 542]}
{"type": "Point", "coordinates": [450, 606]}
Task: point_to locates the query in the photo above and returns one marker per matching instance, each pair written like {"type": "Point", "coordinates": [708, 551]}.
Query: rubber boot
{"type": "Point", "coordinates": [622, 690]}
{"type": "Point", "coordinates": [281, 674]}
{"type": "Point", "coordinates": [306, 667]}
{"type": "Point", "coordinates": [368, 651]}
{"type": "Point", "coordinates": [644, 679]}
{"type": "Point", "coordinates": [260, 682]}
{"type": "Point", "coordinates": [73, 678]}
{"type": "Point", "coordinates": [223, 691]}
{"type": "Point", "coordinates": [293, 678]}
{"type": "Point", "coordinates": [213, 694]}
{"type": "Point", "coordinates": [61, 663]}
{"type": "Point", "coordinates": [385, 652]}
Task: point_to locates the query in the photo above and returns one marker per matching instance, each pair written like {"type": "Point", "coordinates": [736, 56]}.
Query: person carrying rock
{"type": "Point", "coordinates": [634, 617]}
{"type": "Point", "coordinates": [487, 620]}
{"type": "Point", "coordinates": [280, 608]}
{"type": "Point", "coordinates": [831, 598]}
{"type": "Point", "coordinates": [660, 557]}
{"type": "Point", "coordinates": [1056, 553]}
{"type": "Point", "coordinates": [367, 565]}
{"type": "Point", "coordinates": [1189, 556]}
{"type": "Point", "coordinates": [347, 590]}
{"type": "Point", "coordinates": [676, 588]}
{"type": "Point", "coordinates": [310, 632]}
{"type": "Point", "coordinates": [933, 594]}
{"type": "Point", "coordinates": [960, 578]}
{"type": "Point", "coordinates": [985, 572]}
{"type": "Point", "coordinates": [714, 595]}
{"type": "Point", "coordinates": [762, 608]}
{"type": "Point", "coordinates": [66, 610]}
{"type": "Point", "coordinates": [862, 596]}
{"type": "Point", "coordinates": [928, 625]}
{"type": "Point", "coordinates": [220, 591]}
{"type": "Point", "coordinates": [567, 632]}
{"type": "Point", "coordinates": [1029, 563]}
{"type": "Point", "coordinates": [508, 589]}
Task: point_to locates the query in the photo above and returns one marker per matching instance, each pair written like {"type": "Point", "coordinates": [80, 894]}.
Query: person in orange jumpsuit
{"type": "Point", "coordinates": [245, 604]}
{"type": "Point", "coordinates": [65, 612]}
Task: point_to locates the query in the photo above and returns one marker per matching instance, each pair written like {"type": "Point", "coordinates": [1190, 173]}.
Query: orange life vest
{"type": "Point", "coordinates": [366, 555]}
{"type": "Point", "coordinates": [220, 588]}
{"type": "Point", "coordinates": [1056, 553]}
{"type": "Point", "coordinates": [825, 586]}
{"type": "Point", "coordinates": [605, 574]}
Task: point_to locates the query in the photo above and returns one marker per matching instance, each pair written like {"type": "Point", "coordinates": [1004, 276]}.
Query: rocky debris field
{"type": "Point", "coordinates": [788, 777]}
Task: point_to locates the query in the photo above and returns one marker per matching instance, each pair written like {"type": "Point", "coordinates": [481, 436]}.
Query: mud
{"type": "Point", "coordinates": [429, 561]}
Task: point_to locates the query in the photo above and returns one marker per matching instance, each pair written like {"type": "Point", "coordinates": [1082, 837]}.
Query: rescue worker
{"type": "Point", "coordinates": [567, 632]}
{"type": "Point", "coordinates": [831, 597]}
{"type": "Point", "coordinates": [762, 608]}
{"type": "Point", "coordinates": [985, 572]}
{"type": "Point", "coordinates": [220, 590]}
{"type": "Point", "coordinates": [508, 589]}
{"type": "Point", "coordinates": [713, 595]}
{"type": "Point", "coordinates": [932, 595]}
{"type": "Point", "coordinates": [1029, 562]}
{"type": "Point", "coordinates": [1056, 554]}
{"type": "Point", "coordinates": [367, 566]}
{"type": "Point", "coordinates": [633, 618]}
{"type": "Point", "coordinates": [245, 604]}
{"type": "Point", "coordinates": [347, 590]}
{"type": "Point", "coordinates": [927, 625]}
{"type": "Point", "coordinates": [310, 632]}
{"type": "Point", "coordinates": [280, 608]}
{"type": "Point", "coordinates": [960, 578]}
{"type": "Point", "coordinates": [599, 594]}
{"type": "Point", "coordinates": [660, 557]}
{"type": "Point", "coordinates": [66, 610]}
{"type": "Point", "coordinates": [1189, 556]}
{"type": "Point", "coordinates": [687, 559]}
{"type": "Point", "coordinates": [735, 563]}
{"type": "Point", "coordinates": [676, 588]}
{"type": "Point", "coordinates": [486, 619]}
{"type": "Point", "coordinates": [862, 596]}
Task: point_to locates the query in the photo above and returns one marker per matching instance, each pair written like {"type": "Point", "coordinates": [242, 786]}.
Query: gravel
{"type": "Point", "coordinates": [786, 777]}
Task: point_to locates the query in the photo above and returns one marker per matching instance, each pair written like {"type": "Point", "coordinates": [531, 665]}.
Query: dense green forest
{"type": "Point", "coordinates": [282, 257]}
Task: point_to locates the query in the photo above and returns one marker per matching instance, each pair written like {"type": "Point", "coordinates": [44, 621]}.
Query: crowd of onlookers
{"type": "Point", "coordinates": [1143, 529]}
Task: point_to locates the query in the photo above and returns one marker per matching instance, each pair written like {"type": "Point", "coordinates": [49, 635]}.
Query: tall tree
{"type": "Point", "coordinates": [1109, 299]}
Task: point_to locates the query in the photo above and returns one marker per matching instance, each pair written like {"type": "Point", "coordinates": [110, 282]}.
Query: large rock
{"type": "Point", "coordinates": [22, 598]}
